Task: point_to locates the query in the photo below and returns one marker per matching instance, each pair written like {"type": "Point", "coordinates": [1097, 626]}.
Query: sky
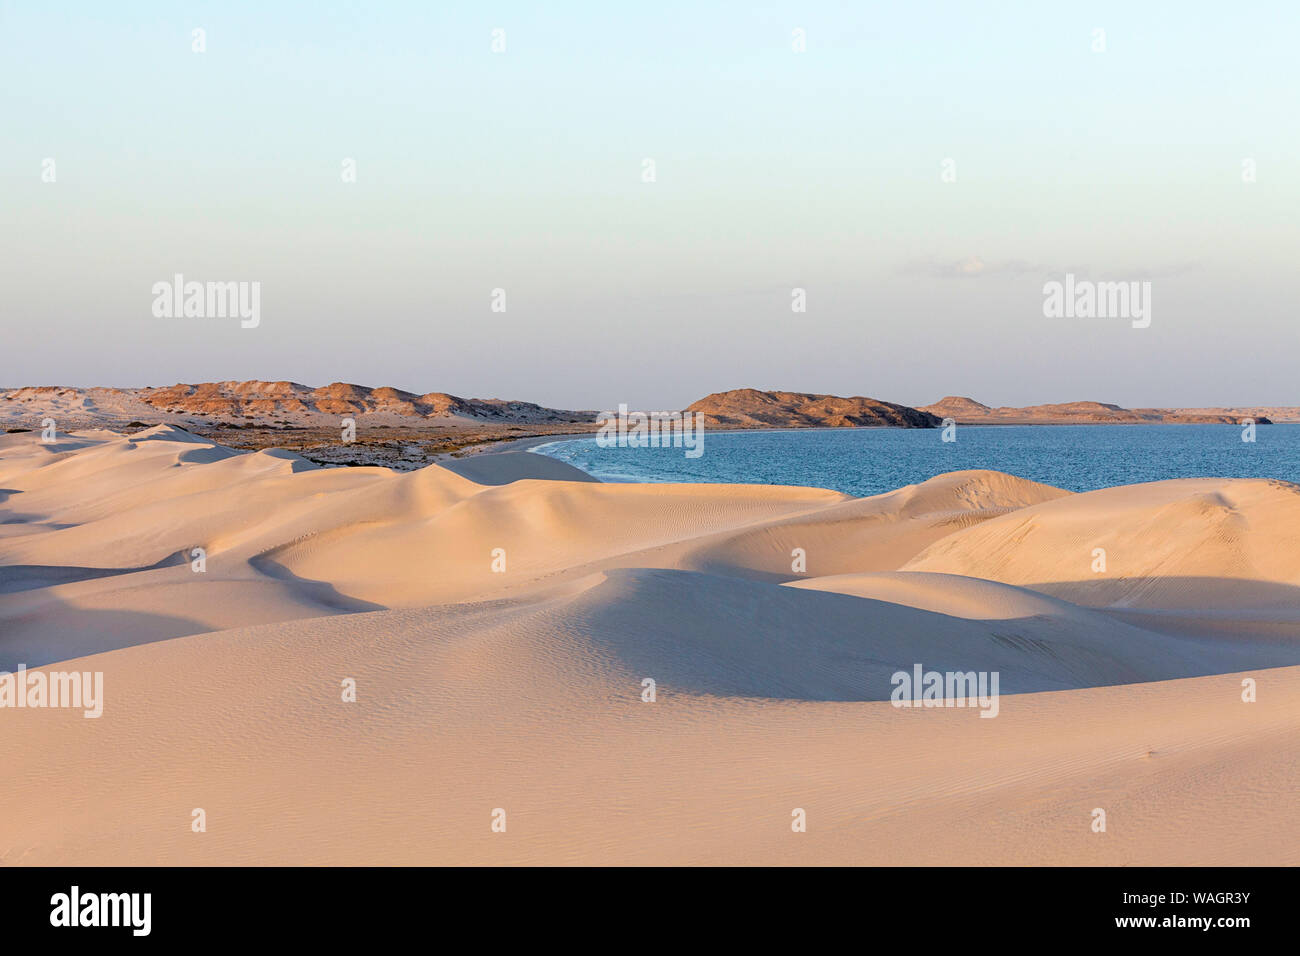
{"type": "Point", "coordinates": [920, 170]}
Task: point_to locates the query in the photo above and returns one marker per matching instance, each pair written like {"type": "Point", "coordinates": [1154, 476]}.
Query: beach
{"type": "Point", "coordinates": [449, 665]}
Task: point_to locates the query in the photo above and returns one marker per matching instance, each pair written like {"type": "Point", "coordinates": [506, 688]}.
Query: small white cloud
{"type": "Point", "coordinates": [969, 267]}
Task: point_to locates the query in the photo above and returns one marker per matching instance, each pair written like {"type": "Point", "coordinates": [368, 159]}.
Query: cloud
{"type": "Point", "coordinates": [970, 268]}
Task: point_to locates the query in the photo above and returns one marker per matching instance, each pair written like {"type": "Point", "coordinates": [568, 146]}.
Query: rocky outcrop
{"type": "Point", "coordinates": [967, 411]}
{"type": "Point", "coordinates": [751, 408]}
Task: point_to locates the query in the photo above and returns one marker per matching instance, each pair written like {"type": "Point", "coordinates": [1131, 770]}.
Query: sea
{"type": "Point", "coordinates": [870, 461]}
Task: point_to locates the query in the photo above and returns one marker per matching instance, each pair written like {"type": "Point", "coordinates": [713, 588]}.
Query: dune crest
{"type": "Point", "coordinates": [1203, 542]}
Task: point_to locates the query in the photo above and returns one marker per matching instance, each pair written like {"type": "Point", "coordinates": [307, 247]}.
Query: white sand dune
{"type": "Point", "coordinates": [1193, 543]}
{"type": "Point", "coordinates": [522, 688]}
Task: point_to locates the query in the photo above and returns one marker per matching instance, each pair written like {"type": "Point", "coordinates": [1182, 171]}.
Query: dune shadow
{"type": "Point", "coordinates": [30, 577]}
{"type": "Point", "coordinates": [730, 637]}
{"type": "Point", "coordinates": [1122, 594]}
{"type": "Point", "coordinates": [82, 632]}
{"type": "Point", "coordinates": [503, 468]}
{"type": "Point", "coordinates": [37, 522]}
{"type": "Point", "coordinates": [322, 592]}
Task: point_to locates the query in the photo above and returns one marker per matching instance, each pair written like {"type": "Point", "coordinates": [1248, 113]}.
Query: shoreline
{"type": "Point", "coordinates": [1201, 455]}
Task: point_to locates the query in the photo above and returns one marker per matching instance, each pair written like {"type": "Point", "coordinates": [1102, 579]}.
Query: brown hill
{"type": "Point", "coordinates": [751, 408]}
{"type": "Point", "coordinates": [254, 398]}
{"type": "Point", "coordinates": [954, 406]}
{"type": "Point", "coordinates": [967, 411]}
{"type": "Point", "coordinates": [261, 402]}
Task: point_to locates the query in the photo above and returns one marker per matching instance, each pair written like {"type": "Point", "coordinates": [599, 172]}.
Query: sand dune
{"type": "Point", "coordinates": [1194, 543]}
{"type": "Point", "coordinates": [512, 678]}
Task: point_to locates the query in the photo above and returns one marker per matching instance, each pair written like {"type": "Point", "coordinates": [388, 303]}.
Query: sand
{"type": "Point", "coordinates": [520, 688]}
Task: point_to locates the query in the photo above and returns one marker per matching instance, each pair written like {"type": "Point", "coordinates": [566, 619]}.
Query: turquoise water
{"type": "Point", "coordinates": [869, 461]}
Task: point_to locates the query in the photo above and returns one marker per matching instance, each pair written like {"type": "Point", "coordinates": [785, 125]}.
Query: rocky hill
{"type": "Point", "coordinates": [257, 403]}
{"type": "Point", "coordinates": [242, 399]}
{"type": "Point", "coordinates": [751, 408]}
{"type": "Point", "coordinates": [967, 411]}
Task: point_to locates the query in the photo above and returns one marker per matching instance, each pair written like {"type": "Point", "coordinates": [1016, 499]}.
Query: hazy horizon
{"type": "Point", "coordinates": [469, 394]}
{"type": "Point", "coordinates": [823, 170]}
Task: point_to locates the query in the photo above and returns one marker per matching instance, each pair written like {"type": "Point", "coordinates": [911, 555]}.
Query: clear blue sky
{"type": "Point", "coordinates": [522, 170]}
